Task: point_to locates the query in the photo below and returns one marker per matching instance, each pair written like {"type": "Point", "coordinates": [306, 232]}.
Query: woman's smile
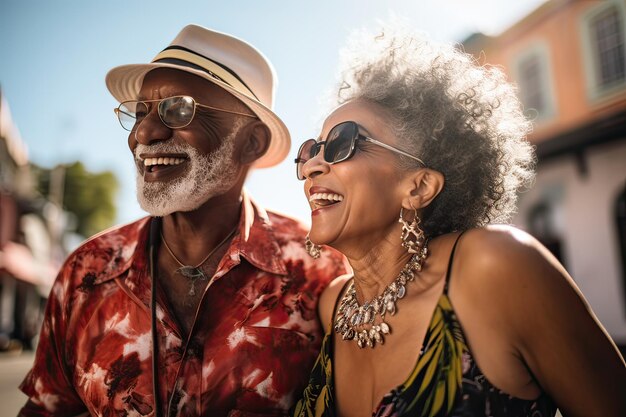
{"type": "Point", "coordinates": [323, 198]}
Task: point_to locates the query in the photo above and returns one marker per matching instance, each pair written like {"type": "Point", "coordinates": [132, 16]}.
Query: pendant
{"type": "Point", "coordinates": [190, 272]}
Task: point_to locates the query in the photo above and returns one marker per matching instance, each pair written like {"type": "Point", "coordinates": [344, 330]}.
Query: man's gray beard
{"type": "Point", "coordinates": [207, 176]}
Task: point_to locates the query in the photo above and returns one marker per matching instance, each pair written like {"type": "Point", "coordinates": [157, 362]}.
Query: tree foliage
{"type": "Point", "coordinates": [89, 196]}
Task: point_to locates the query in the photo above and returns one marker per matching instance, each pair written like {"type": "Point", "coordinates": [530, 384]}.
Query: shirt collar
{"type": "Point", "coordinates": [110, 253]}
{"type": "Point", "coordinates": [255, 242]}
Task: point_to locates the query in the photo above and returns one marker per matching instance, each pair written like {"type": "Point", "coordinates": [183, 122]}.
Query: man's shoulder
{"type": "Point", "coordinates": [291, 234]}
{"type": "Point", "coordinates": [115, 237]}
{"type": "Point", "coordinates": [287, 226]}
{"type": "Point", "coordinates": [108, 253]}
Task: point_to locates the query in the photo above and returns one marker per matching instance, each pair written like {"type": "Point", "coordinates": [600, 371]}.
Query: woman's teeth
{"type": "Point", "coordinates": [325, 199]}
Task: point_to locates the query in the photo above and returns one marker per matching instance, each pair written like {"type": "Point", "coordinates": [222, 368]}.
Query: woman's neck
{"type": "Point", "coordinates": [377, 266]}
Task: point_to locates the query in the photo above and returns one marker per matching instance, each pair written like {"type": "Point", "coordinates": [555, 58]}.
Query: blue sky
{"type": "Point", "coordinates": [56, 54]}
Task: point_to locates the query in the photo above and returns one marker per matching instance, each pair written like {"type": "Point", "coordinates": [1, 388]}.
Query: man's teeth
{"type": "Point", "coordinates": [162, 161]}
{"type": "Point", "coordinates": [325, 197]}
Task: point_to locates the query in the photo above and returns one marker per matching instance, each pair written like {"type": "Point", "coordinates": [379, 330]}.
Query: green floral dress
{"type": "Point", "coordinates": [444, 382]}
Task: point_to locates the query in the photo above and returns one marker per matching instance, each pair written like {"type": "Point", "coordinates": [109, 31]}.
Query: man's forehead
{"type": "Point", "coordinates": [164, 82]}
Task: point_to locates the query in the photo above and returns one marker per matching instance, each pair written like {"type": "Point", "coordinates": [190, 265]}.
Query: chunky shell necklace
{"type": "Point", "coordinates": [365, 324]}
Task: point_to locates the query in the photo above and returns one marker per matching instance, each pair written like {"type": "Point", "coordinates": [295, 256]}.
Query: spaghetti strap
{"type": "Point", "coordinates": [449, 269]}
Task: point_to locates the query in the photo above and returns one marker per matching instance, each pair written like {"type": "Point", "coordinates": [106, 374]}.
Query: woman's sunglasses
{"type": "Point", "coordinates": [175, 112]}
{"type": "Point", "coordinates": [339, 146]}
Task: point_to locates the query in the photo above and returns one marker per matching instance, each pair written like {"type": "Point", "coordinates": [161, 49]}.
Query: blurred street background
{"type": "Point", "coordinates": [66, 172]}
{"type": "Point", "coordinates": [13, 367]}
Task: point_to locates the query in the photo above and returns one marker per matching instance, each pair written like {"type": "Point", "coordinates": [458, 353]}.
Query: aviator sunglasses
{"type": "Point", "coordinates": [175, 112]}
{"type": "Point", "coordinates": [339, 146]}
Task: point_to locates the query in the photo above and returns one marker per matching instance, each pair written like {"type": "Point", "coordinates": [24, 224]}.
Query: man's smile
{"type": "Point", "coordinates": [161, 166]}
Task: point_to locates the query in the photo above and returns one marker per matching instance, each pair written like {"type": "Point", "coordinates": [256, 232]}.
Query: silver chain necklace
{"type": "Point", "coordinates": [365, 324]}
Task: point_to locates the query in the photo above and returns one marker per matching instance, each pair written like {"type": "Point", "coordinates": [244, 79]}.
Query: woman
{"type": "Point", "coordinates": [424, 153]}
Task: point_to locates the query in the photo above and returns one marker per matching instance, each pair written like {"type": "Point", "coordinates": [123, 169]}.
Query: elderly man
{"type": "Point", "coordinates": [209, 306]}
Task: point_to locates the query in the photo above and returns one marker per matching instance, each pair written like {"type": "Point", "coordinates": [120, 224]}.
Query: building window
{"type": "Point", "coordinates": [608, 38]}
{"type": "Point", "coordinates": [542, 225]}
{"type": "Point", "coordinates": [620, 217]}
{"type": "Point", "coordinates": [531, 71]}
{"type": "Point", "coordinates": [532, 94]}
{"type": "Point", "coordinates": [603, 38]}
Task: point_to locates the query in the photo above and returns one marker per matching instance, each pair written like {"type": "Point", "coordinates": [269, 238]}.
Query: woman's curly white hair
{"type": "Point", "coordinates": [462, 119]}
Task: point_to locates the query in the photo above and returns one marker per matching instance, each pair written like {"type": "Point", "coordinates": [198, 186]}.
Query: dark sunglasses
{"type": "Point", "coordinates": [175, 112]}
{"type": "Point", "coordinates": [339, 146]}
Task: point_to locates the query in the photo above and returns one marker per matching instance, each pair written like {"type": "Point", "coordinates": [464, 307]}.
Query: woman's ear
{"type": "Point", "coordinates": [423, 186]}
{"type": "Point", "coordinates": [256, 138]}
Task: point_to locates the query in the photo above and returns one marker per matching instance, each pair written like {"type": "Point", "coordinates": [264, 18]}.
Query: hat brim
{"type": "Point", "coordinates": [124, 83]}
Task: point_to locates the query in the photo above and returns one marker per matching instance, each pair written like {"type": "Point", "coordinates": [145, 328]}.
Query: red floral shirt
{"type": "Point", "coordinates": [251, 349]}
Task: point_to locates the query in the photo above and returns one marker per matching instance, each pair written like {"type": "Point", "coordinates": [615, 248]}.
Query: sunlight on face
{"type": "Point", "coordinates": [366, 189]}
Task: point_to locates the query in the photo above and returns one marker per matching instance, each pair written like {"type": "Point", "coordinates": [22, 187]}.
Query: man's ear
{"type": "Point", "coordinates": [256, 138]}
{"type": "Point", "coordinates": [422, 188]}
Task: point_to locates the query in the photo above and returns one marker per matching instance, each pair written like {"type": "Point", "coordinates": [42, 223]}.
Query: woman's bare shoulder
{"type": "Point", "coordinates": [508, 271]}
{"type": "Point", "coordinates": [329, 297]}
{"type": "Point", "coordinates": [503, 252]}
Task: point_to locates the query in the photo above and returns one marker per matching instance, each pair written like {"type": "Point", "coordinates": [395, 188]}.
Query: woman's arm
{"type": "Point", "coordinates": [548, 321]}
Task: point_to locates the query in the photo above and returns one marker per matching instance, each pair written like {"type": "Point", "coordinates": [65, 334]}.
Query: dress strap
{"type": "Point", "coordinates": [449, 270]}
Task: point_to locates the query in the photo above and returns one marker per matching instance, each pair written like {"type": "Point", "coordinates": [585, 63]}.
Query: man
{"type": "Point", "coordinates": [231, 329]}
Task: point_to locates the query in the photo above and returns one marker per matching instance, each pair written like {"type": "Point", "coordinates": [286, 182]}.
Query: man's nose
{"type": "Point", "coordinates": [151, 129]}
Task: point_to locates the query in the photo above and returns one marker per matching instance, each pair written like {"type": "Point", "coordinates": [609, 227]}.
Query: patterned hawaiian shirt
{"type": "Point", "coordinates": [252, 347]}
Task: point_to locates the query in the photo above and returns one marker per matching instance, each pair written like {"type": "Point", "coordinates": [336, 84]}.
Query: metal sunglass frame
{"type": "Point", "coordinates": [118, 110]}
{"type": "Point", "coordinates": [353, 142]}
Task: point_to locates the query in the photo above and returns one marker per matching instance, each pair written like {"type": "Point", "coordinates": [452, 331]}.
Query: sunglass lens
{"type": "Point", "coordinates": [177, 111]}
{"type": "Point", "coordinates": [307, 151]}
{"type": "Point", "coordinates": [339, 142]}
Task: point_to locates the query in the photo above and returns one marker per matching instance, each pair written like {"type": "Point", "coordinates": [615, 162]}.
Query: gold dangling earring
{"type": "Point", "coordinates": [311, 248]}
{"type": "Point", "coordinates": [413, 237]}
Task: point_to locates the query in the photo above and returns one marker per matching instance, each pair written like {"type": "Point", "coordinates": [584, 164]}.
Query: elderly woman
{"type": "Point", "coordinates": [445, 314]}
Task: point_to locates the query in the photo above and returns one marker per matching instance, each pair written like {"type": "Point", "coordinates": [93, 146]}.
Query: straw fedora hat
{"type": "Point", "coordinates": [224, 60]}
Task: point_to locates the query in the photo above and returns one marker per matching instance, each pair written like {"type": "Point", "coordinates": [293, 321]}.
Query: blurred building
{"type": "Point", "coordinates": [27, 246]}
{"type": "Point", "coordinates": [568, 60]}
